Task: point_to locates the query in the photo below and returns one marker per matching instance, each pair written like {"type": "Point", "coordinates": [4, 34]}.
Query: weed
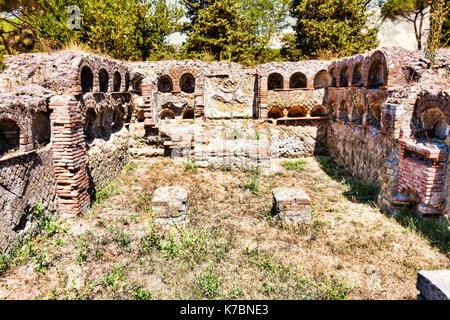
{"type": "Point", "coordinates": [141, 294]}
{"type": "Point", "coordinates": [209, 283]}
{"type": "Point", "coordinates": [149, 242]}
{"type": "Point", "coordinates": [106, 192]}
{"type": "Point", "coordinates": [298, 165]}
{"type": "Point", "coordinates": [190, 166]}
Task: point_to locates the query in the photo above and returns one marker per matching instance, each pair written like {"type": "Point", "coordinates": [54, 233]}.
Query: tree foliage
{"type": "Point", "coordinates": [222, 32]}
{"type": "Point", "coordinates": [330, 28]}
{"type": "Point", "coordinates": [128, 29]}
{"type": "Point", "coordinates": [413, 11]}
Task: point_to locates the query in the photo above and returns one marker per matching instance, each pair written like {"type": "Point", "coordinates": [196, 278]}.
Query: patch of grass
{"type": "Point", "coordinates": [360, 191]}
{"type": "Point", "coordinates": [149, 242]}
{"type": "Point", "coordinates": [130, 167]}
{"type": "Point", "coordinates": [335, 289]}
{"type": "Point", "coordinates": [106, 192]}
{"type": "Point", "coordinates": [209, 282]}
{"type": "Point", "coordinates": [437, 233]}
{"type": "Point", "coordinates": [298, 165]}
{"type": "Point", "coordinates": [141, 294]}
{"type": "Point", "coordinates": [253, 185]}
{"type": "Point", "coordinates": [113, 279]}
{"type": "Point", "coordinates": [190, 166]}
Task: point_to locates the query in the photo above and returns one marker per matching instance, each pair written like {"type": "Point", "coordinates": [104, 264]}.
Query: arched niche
{"type": "Point", "coordinates": [140, 116]}
{"type": "Point", "coordinates": [433, 121]}
{"type": "Point", "coordinates": [165, 84]}
{"type": "Point", "coordinates": [344, 77]}
{"type": "Point", "coordinates": [275, 113]}
{"type": "Point", "coordinates": [87, 79]}
{"type": "Point", "coordinates": [9, 136]}
{"type": "Point", "coordinates": [297, 112]}
{"type": "Point", "coordinates": [167, 114]}
{"type": "Point", "coordinates": [187, 83]}
{"type": "Point", "coordinates": [376, 77]}
{"type": "Point", "coordinates": [275, 81]}
{"type": "Point", "coordinates": [127, 81]}
{"type": "Point", "coordinates": [374, 115]}
{"type": "Point", "coordinates": [90, 124]}
{"type": "Point", "coordinates": [103, 80]}
{"type": "Point", "coordinates": [319, 111]}
{"type": "Point", "coordinates": [333, 78]}
{"type": "Point", "coordinates": [322, 80]}
{"type": "Point", "coordinates": [40, 128]}
{"type": "Point", "coordinates": [117, 81]}
{"type": "Point", "coordinates": [297, 81]}
{"type": "Point", "coordinates": [188, 114]}
{"type": "Point", "coordinates": [357, 80]}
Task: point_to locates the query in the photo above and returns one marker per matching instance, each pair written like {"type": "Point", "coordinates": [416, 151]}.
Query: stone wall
{"type": "Point", "coordinates": [26, 180]}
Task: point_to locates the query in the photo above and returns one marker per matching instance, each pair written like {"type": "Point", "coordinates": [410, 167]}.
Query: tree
{"type": "Point", "coordinates": [414, 11]}
{"type": "Point", "coordinates": [329, 28]}
{"type": "Point", "coordinates": [438, 15]}
{"type": "Point", "coordinates": [445, 38]}
{"type": "Point", "coordinates": [124, 29]}
{"type": "Point", "coordinates": [220, 31]}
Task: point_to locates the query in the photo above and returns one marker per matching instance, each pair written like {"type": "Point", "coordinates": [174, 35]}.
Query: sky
{"type": "Point", "coordinates": [390, 34]}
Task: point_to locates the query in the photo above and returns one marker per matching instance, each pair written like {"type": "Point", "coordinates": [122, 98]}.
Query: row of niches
{"type": "Point", "coordinates": [170, 111]}
{"type": "Point", "coordinates": [103, 80]}
{"type": "Point", "coordinates": [187, 83]}
{"type": "Point", "coordinates": [102, 124]}
{"type": "Point", "coordinates": [356, 76]}
{"type": "Point", "coordinates": [298, 80]}
{"type": "Point", "coordinates": [13, 136]}
{"type": "Point", "coordinates": [368, 115]}
{"type": "Point", "coordinates": [278, 112]}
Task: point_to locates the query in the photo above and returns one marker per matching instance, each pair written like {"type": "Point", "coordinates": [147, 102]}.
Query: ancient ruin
{"type": "Point", "coordinates": [70, 121]}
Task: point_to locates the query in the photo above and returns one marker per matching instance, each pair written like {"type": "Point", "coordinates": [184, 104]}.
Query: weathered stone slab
{"type": "Point", "coordinates": [170, 202]}
{"type": "Point", "coordinates": [291, 206]}
{"type": "Point", "coordinates": [433, 285]}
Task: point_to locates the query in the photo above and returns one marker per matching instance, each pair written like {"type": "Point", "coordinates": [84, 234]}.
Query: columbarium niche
{"type": "Point", "coordinates": [40, 128]}
{"type": "Point", "coordinates": [187, 83]}
{"type": "Point", "coordinates": [103, 80]}
{"type": "Point", "coordinates": [275, 81]}
{"type": "Point", "coordinates": [117, 81]}
{"type": "Point", "coordinates": [165, 84]}
{"type": "Point", "coordinates": [275, 113]}
{"type": "Point", "coordinates": [297, 81]}
{"type": "Point", "coordinates": [322, 80]}
{"type": "Point", "coordinates": [87, 79]}
{"type": "Point", "coordinates": [434, 124]}
{"type": "Point", "coordinates": [376, 75]}
{"type": "Point", "coordinates": [9, 136]}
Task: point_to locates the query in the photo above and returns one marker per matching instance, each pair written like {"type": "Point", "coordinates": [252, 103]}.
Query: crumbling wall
{"type": "Point", "coordinates": [26, 180]}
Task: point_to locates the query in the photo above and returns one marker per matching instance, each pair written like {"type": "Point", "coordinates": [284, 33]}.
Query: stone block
{"type": "Point", "coordinates": [291, 206]}
{"type": "Point", "coordinates": [433, 285]}
{"type": "Point", "coordinates": [170, 202]}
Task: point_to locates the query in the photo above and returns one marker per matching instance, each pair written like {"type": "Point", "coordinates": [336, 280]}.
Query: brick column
{"type": "Point", "coordinates": [262, 97]}
{"type": "Point", "coordinates": [147, 94]}
{"type": "Point", "coordinates": [69, 155]}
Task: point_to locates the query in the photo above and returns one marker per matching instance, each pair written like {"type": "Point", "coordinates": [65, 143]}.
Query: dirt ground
{"type": "Point", "coordinates": [231, 249]}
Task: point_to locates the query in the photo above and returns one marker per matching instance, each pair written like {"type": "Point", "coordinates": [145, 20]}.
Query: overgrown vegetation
{"type": "Point", "coordinates": [231, 249]}
{"type": "Point", "coordinates": [436, 232]}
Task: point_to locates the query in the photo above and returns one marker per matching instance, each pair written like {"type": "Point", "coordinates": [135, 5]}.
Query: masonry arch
{"type": "Point", "coordinates": [357, 80]}
{"type": "Point", "coordinates": [187, 83]}
{"type": "Point", "coordinates": [434, 122]}
{"type": "Point", "coordinates": [103, 80]}
{"type": "Point", "coordinates": [167, 114]}
{"type": "Point", "coordinates": [319, 111]}
{"type": "Point", "coordinates": [275, 113]}
{"type": "Point", "coordinates": [275, 81]}
{"type": "Point", "coordinates": [343, 82]}
{"type": "Point", "coordinates": [117, 81]}
{"type": "Point", "coordinates": [87, 79]}
{"type": "Point", "coordinates": [322, 79]}
{"type": "Point", "coordinates": [188, 114]}
{"type": "Point", "coordinates": [165, 84]}
{"type": "Point", "coordinates": [298, 81]}
{"type": "Point", "coordinates": [127, 81]}
{"type": "Point", "coordinates": [376, 77]}
{"type": "Point", "coordinates": [297, 112]}
{"type": "Point", "coordinates": [9, 136]}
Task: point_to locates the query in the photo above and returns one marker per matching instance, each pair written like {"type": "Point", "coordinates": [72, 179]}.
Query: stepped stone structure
{"type": "Point", "coordinates": [70, 121]}
{"type": "Point", "coordinates": [291, 206]}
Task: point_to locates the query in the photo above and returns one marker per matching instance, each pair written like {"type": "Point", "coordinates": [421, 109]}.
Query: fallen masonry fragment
{"type": "Point", "coordinates": [434, 285]}
{"type": "Point", "coordinates": [291, 206]}
{"type": "Point", "coordinates": [170, 204]}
